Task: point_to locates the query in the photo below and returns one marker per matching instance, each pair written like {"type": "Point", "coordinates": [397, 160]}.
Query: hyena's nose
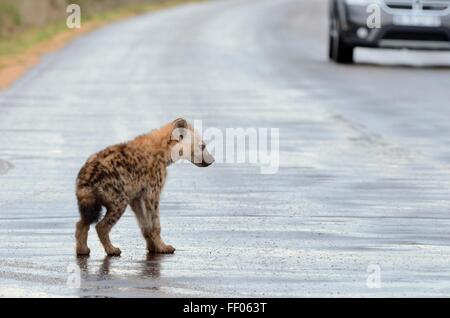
{"type": "Point", "coordinates": [207, 160]}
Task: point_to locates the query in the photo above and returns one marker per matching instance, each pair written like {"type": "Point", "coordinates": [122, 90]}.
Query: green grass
{"type": "Point", "coordinates": [27, 39]}
{"type": "Point", "coordinates": [11, 45]}
{"type": "Point", "coordinates": [9, 15]}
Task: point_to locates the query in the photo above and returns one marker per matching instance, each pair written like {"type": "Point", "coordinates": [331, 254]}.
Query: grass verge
{"type": "Point", "coordinates": [22, 51]}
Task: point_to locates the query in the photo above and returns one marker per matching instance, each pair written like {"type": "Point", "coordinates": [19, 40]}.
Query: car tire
{"type": "Point", "coordinates": [339, 51]}
{"type": "Point", "coordinates": [342, 52]}
{"type": "Point", "coordinates": [330, 47]}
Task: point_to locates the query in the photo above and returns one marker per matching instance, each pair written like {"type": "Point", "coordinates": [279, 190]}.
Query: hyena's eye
{"type": "Point", "coordinates": [181, 137]}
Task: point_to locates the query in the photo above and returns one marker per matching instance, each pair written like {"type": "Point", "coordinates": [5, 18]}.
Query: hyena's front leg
{"type": "Point", "coordinates": [103, 228]}
{"type": "Point", "coordinates": [147, 213]}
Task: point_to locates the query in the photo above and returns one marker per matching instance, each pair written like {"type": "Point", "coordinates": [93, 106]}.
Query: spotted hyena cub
{"type": "Point", "coordinates": [133, 173]}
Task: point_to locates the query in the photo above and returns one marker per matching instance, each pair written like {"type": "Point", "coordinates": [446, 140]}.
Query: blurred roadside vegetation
{"type": "Point", "coordinates": [26, 23]}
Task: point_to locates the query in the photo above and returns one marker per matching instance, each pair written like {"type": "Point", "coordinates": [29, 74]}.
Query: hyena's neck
{"type": "Point", "coordinates": [162, 159]}
{"type": "Point", "coordinates": [155, 145]}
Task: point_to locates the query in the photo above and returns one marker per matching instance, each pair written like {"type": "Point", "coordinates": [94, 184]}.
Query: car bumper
{"type": "Point", "coordinates": [392, 35]}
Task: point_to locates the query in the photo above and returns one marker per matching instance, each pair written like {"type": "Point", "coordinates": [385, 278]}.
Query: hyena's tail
{"type": "Point", "coordinates": [89, 205]}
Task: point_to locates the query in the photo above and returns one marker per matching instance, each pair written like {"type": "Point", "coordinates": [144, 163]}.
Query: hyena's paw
{"type": "Point", "coordinates": [113, 251]}
{"type": "Point", "coordinates": [83, 251]}
{"type": "Point", "coordinates": [166, 249]}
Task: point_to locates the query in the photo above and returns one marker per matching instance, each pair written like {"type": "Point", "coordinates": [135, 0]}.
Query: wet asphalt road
{"type": "Point", "coordinates": [364, 173]}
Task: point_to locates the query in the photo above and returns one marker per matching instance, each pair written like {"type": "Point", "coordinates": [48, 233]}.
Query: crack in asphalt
{"type": "Point", "coordinates": [5, 166]}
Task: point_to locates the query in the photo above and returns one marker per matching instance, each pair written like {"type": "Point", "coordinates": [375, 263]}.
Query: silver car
{"type": "Point", "coordinates": [411, 24]}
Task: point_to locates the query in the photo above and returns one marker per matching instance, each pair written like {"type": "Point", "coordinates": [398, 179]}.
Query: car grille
{"type": "Point", "coordinates": [416, 36]}
{"type": "Point", "coordinates": [418, 5]}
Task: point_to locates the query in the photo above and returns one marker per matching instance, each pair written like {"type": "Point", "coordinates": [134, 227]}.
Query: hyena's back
{"type": "Point", "coordinates": [101, 175]}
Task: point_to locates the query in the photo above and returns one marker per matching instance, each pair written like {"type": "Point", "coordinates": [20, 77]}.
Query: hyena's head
{"type": "Point", "coordinates": [186, 143]}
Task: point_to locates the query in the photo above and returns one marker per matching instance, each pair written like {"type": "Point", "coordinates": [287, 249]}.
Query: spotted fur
{"type": "Point", "coordinates": [129, 174]}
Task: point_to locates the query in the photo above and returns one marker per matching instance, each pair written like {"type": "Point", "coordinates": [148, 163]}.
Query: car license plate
{"type": "Point", "coordinates": [417, 20]}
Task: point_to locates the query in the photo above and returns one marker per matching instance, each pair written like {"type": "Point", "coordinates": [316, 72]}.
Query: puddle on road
{"type": "Point", "coordinates": [5, 166]}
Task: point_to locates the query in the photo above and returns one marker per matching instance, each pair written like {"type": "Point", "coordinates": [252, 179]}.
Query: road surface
{"type": "Point", "coordinates": [362, 191]}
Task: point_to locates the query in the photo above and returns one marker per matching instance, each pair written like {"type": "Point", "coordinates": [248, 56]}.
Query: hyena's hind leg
{"type": "Point", "coordinates": [81, 236]}
{"type": "Point", "coordinates": [90, 209]}
{"type": "Point", "coordinates": [114, 211]}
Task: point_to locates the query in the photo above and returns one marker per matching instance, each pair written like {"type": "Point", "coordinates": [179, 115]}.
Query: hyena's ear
{"type": "Point", "coordinates": [180, 123]}
{"type": "Point", "coordinates": [179, 129]}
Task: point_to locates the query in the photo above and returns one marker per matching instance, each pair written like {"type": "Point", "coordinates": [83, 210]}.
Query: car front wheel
{"type": "Point", "coordinates": [339, 51]}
